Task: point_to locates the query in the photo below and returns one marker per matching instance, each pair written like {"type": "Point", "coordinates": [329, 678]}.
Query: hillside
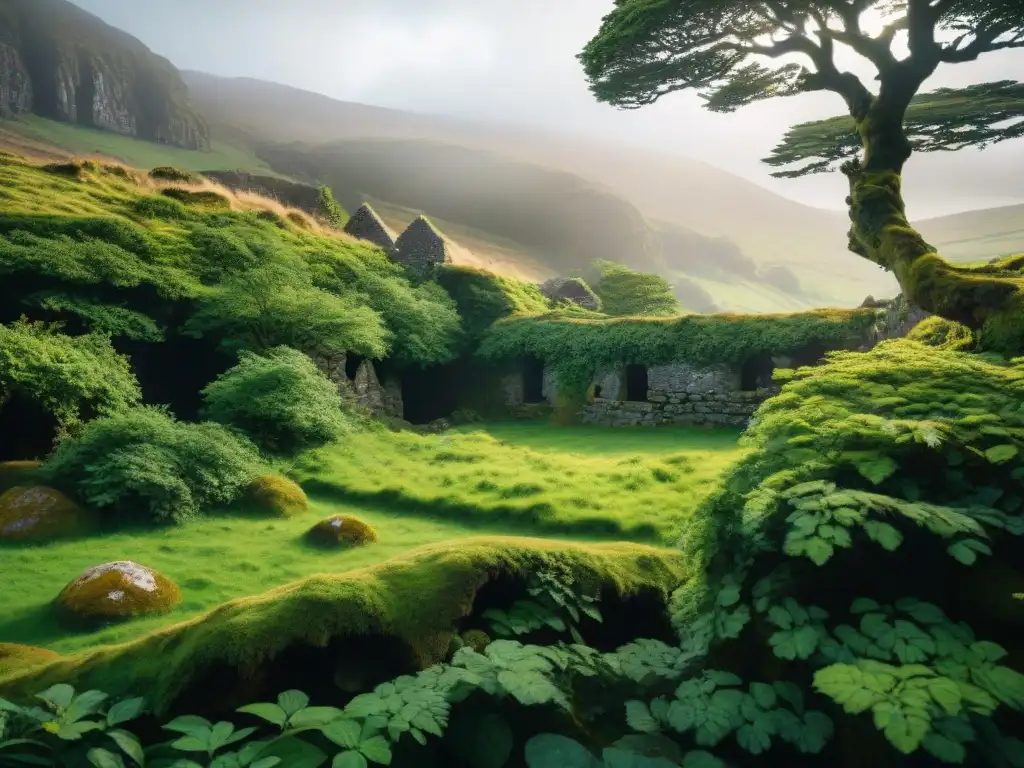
{"type": "Point", "coordinates": [60, 62]}
{"type": "Point", "coordinates": [977, 235]}
{"type": "Point", "coordinates": [768, 228]}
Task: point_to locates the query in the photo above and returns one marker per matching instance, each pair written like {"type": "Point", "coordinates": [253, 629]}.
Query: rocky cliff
{"type": "Point", "coordinates": [59, 62]}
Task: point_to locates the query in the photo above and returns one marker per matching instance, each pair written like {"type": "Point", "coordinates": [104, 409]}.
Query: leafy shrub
{"type": "Point", "coordinates": [169, 173]}
{"type": "Point", "coordinates": [72, 377]}
{"type": "Point", "coordinates": [483, 297]}
{"type": "Point", "coordinates": [329, 209]}
{"type": "Point", "coordinates": [144, 465]}
{"type": "Point", "coordinates": [626, 292]}
{"type": "Point", "coordinates": [110, 319]}
{"type": "Point", "coordinates": [279, 399]}
{"type": "Point", "coordinates": [278, 305]}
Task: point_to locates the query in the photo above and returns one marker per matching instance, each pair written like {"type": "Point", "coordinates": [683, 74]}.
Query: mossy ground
{"type": "Point", "coordinates": [413, 600]}
{"type": "Point", "coordinates": [633, 484]}
{"type": "Point", "coordinates": [341, 531]}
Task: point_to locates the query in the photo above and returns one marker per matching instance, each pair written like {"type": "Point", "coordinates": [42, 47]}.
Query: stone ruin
{"type": "Point", "coordinates": [363, 385]}
{"type": "Point", "coordinates": [422, 246]}
{"type": "Point", "coordinates": [569, 289]}
{"type": "Point", "coordinates": [365, 224]}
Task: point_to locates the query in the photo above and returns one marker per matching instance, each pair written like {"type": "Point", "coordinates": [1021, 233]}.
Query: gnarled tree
{"type": "Point", "coordinates": [736, 52]}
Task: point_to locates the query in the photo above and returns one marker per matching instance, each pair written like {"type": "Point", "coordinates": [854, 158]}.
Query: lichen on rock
{"type": "Point", "coordinates": [116, 591]}
{"type": "Point", "coordinates": [341, 531]}
{"type": "Point", "coordinates": [36, 512]}
{"type": "Point", "coordinates": [276, 495]}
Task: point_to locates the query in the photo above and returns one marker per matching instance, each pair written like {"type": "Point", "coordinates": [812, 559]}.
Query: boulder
{"type": "Point", "coordinates": [36, 512]}
{"type": "Point", "coordinates": [116, 591]}
{"type": "Point", "coordinates": [276, 495]}
{"type": "Point", "coordinates": [15, 657]}
{"type": "Point", "coordinates": [341, 531]}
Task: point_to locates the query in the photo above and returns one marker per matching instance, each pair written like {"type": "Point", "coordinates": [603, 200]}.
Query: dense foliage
{"type": "Point", "coordinates": [625, 292]}
{"type": "Point", "coordinates": [280, 400]}
{"type": "Point", "coordinates": [71, 377]}
{"type": "Point", "coordinates": [577, 347]}
{"type": "Point", "coordinates": [145, 465]}
{"type": "Point", "coordinates": [100, 252]}
{"type": "Point", "coordinates": [483, 297]}
{"type": "Point", "coordinates": [277, 305]}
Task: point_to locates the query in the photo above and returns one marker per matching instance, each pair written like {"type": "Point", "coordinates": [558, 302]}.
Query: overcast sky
{"type": "Point", "coordinates": [514, 61]}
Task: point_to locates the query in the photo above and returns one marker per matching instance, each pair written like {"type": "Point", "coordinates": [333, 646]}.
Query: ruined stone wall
{"type": "Point", "coordinates": [366, 388]}
{"type": "Point", "coordinates": [678, 394]}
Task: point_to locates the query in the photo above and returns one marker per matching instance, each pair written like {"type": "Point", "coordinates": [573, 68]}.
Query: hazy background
{"type": "Point", "coordinates": [514, 62]}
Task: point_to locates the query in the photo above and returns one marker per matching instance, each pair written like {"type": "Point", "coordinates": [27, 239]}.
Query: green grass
{"type": "Point", "coordinates": [213, 560]}
{"type": "Point", "coordinates": [635, 484]}
{"type": "Point", "coordinates": [136, 152]}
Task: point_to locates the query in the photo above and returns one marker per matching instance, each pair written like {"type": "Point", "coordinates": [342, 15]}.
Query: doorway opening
{"type": "Point", "coordinates": [636, 383]}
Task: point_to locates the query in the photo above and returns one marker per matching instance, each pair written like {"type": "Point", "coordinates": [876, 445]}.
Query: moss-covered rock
{"type": "Point", "coordinates": [15, 657]}
{"type": "Point", "coordinates": [116, 591]}
{"type": "Point", "coordinates": [476, 639]}
{"type": "Point", "coordinates": [276, 495]}
{"type": "Point", "coordinates": [14, 473]}
{"type": "Point", "coordinates": [341, 531]}
{"type": "Point", "coordinates": [37, 512]}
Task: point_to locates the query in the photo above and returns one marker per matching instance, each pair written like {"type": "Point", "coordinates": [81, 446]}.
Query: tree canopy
{"type": "Point", "coordinates": [946, 119]}
{"type": "Point", "coordinates": [736, 52]}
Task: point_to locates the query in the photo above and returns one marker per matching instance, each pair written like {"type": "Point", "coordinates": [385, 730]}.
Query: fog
{"type": "Point", "coordinates": [514, 62]}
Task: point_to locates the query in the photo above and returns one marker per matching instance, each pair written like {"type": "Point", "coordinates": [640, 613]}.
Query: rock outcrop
{"type": "Point", "coordinates": [292, 194]}
{"type": "Point", "coordinates": [60, 62]}
{"type": "Point", "coordinates": [341, 532]}
{"type": "Point", "coordinates": [573, 290]}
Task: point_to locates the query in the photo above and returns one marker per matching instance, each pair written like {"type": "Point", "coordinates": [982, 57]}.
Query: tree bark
{"type": "Point", "coordinates": [988, 299]}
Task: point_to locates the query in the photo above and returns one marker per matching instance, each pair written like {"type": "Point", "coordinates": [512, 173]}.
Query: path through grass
{"type": "Point", "coordinates": [636, 484]}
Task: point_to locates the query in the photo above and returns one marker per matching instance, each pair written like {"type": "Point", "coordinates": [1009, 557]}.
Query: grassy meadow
{"type": "Point", "coordinates": [634, 484]}
{"type": "Point", "coordinates": [579, 483]}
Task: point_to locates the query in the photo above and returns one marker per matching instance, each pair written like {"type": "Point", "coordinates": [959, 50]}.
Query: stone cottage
{"type": "Point", "coordinates": [422, 246]}
{"type": "Point", "coordinates": [365, 224]}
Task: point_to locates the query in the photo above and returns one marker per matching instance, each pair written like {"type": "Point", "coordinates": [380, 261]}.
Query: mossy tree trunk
{"type": "Point", "coordinates": [988, 299]}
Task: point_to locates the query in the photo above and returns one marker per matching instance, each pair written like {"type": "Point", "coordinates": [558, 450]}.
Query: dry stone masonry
{"type": "Point", "coordinates": [422, 247]}
{"type": "Point", "coordinates": [677, 394]}
{"type": "Point", "coordinates": [365, 224]}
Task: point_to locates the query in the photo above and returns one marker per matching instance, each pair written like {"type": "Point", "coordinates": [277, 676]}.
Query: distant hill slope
{"type": "Point", "coordinates": [768, 228]}
{"type": "Point", "coordinates": [61, 62]}
{"type": "Point", "coordinates": [975, 235]}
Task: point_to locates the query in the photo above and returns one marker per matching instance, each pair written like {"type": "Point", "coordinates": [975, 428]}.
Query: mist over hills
{"type": "Point", "coordinates": [767, 229]}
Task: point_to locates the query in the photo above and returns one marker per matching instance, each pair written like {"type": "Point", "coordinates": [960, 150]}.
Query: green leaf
{"type": "Point", "coordinates": [763, 694]}
{"type": "Point", "coordinates": [729, 596]}
{"type": "Point", "coordinates": [639, 717]}
{"type": "Point", "coordinates": [58, 696]}
{"type": "Point", "coordinates": [191, 744]}
{"type": "Point", "coordinates": [75, 731]}
{"type": "Point", "coordinates": [1005, 684]}
{"type": "Point", "coordinates": [376, 749]}
{"type": "Point", "coordinates": [864, 605]}
{"type": "Point", "coordinates": [549, 750]}
{"type": "Point", "coordinates": [349, 759]}
{"type": "Point", "coordinates": [292, 701]}
{"type": "Point", "coordinates": [966, 550]}
{"type": "Point", "coordinates": [818, 550]}
{"type": "Point", "coordinates": [905, 728]}
{"type": "Point", "coordinates": [102, 758]}
{"type": "Point", "coordinates": [272, 713]}
{"type": "Point", "coordinates": [219, 735]}
{"type": "Point", "coordinates": [944, 748]}
{"type": "Point", "coordinates": [129, 744]}
{"type": "Point", "coordinates": [884, 534]}
{"type": "Point", "coordinates": [189, 724]}
{"type": "Point", "coordinates": [344, 733]}
{"type": "Point", "coordinates": [314, 717]}
{"type": "Point", "coordinates": [799, 643]}
{"type": "Point", "coordinates": [615, 757]}
{"type": "Point", "coordinates": [126, 710]}
{"type": "Point", "coordinates": [295, 753]}
{"type": "Point", "coordinates": [83, 705]}
{"type": "Point", "coordinates": [1000, 454]}
{"type": "Point", "coordinates": [876, 469]}
{"type": "Point", "coordinates": [852, 688]}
